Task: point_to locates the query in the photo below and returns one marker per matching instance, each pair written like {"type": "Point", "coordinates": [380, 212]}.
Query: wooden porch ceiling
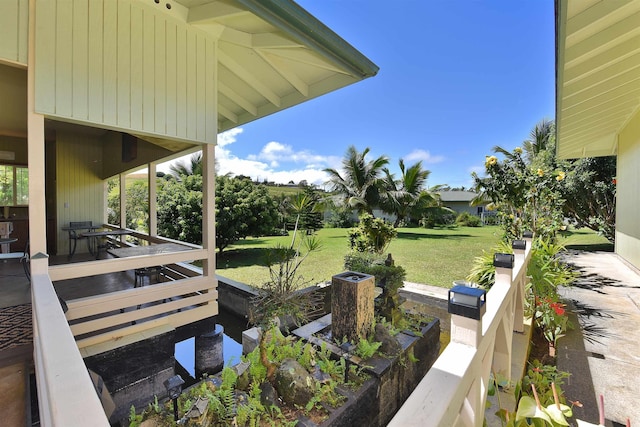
{"type": "Point", "coordinates": [598, 74]}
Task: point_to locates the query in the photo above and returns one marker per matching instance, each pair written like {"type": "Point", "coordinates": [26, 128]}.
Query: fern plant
{"type": "Point", "coordinates": [366, 348]}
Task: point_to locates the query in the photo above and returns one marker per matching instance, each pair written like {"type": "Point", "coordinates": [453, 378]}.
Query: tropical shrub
{"type": "Point", "coordinates": [524, 196]}
{"type": "Point", "coordinates": [340, 217]}
{"type": "Point", "coordinates": [482, 271]}
{"type": "Point", "coordinates": [552, 319]}
{"type": "Point", "coordinates": [277, 296]}
{"type": "Point", "coordinates": [371, 235]}
{"type": "Point", "coordinates": [465, 219]}
{"type": "Point", "coordinates": [541, 401]}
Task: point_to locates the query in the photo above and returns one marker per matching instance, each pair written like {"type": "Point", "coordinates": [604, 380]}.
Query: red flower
{"type": "Point", "coordinates": [557, 307]}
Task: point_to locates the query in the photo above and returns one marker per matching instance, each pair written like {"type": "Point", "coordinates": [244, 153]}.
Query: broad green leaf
{"type": "Point", "coordinates": [558, 415]}
{"type": "Point", "coordinates": [527, 408]}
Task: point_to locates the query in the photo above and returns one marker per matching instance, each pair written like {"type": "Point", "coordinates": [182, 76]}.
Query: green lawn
{"type": "Point", "coordinates": [436, 257]}
{"type": "Point", "coordinates": [586, 240]}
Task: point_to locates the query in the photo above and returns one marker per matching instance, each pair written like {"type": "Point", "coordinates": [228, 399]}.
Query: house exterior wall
{"type": "Point", "coordinates": [628, 192]}
{"type": "Point", "coordinates": [125, 65]}
{"type": "Point", "coordinates": [460, 207]}
{"type": "Point", "coordinates": [14, 21]}
{"type": "Point", "coordinates": [79, 186]}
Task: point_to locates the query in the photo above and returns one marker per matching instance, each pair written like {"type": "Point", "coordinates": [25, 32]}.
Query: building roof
{"type": "Point", "coordinates": [457, 196]}
{"type": "Point", "coordinates": [273, 54]}
{"type": "Point", "coordinates": [597, 74]}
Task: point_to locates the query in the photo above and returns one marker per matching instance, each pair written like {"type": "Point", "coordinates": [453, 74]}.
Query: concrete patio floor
{"type": "Point", "coordinates": [602, 352]}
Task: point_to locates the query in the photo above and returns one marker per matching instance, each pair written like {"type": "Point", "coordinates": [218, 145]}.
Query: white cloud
{"type": "Point", "coordinates": [423, 155]}
{"type": "Point", "coordinates": [228, 137]}
{"type": "Point", "coordinates": [267, 164]}
{"type": "Point", "coordinates": [278, 153]}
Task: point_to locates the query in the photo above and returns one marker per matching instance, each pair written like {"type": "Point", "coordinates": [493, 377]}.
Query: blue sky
{"type": "Point", "coordinates": [456, 78]}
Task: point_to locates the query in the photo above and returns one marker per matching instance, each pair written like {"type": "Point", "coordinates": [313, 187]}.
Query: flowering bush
{"type": "Point", "coordinates": [552, 319]}
{"type": "Point", "coordinates": [526, 197]}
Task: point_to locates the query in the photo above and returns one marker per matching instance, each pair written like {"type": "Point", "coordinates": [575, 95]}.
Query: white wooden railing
{"type": "Point", "coordinates": [454, 391]}
{"type": "Point", "coordinates": [110, 317]}
{"type": "Point", "coordinates": [66, 396]}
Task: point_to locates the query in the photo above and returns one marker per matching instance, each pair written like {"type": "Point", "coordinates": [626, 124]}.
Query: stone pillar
{"type": "Point", "coordinates": [209, 355]}
{"type": "Point", "coordinates": [352, 306]}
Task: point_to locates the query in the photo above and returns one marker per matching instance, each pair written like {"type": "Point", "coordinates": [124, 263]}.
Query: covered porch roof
{"type": "Point", "coordinates": [271, 55]}
{"type": "Point", "coordinates": [597, 74]}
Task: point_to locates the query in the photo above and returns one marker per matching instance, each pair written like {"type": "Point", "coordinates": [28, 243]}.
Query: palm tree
{"type": "Point", "coordinates": [400, 196]}
{"type": "Point", "coordinates": [360, 186]}
{"type": "Point", "coordinates": [540, 139]}
{"type": "Point", "coordinates": [184, 169]}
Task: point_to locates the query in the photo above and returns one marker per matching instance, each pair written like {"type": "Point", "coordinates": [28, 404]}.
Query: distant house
{"type": "Point", "coordinates": [460, 201]}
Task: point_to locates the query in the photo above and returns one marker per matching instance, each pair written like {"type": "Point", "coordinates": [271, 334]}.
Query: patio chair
{"type": "Point", "coordinates": [141, 273]}
{"type": "Point", "coordinates": [74, 236]}
{"type": "Point", "coordinates": [25, 262]}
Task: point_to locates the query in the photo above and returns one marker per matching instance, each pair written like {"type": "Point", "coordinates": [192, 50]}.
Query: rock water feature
{"type": "Point", "coordinates": [403, 359]}
{"type": "Point", "coordinates": [304, 373]}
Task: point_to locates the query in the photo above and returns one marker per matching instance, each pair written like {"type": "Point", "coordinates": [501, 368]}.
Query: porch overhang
{"type": "Point", "coordinates": [597, 74]}
{"type": "Point", "coordinates": [272, 55]}
{"type": "Point", "coordinates": [269, 55]}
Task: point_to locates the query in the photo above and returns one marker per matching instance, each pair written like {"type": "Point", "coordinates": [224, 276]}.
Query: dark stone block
{"type": "Point", "coordinates": [125, 365]}
{"type": "Point", "coordinates": [393, 380]}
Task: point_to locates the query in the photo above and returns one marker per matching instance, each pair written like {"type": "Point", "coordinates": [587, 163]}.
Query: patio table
{"type": "Point", "coordinates": [161, 248]}
{"type": "Point", "coordinates": [8, 254]}
{"type": "Point", "coordinates": [95, 236]}
{"type": "Point", "coordinates": [73, 228]}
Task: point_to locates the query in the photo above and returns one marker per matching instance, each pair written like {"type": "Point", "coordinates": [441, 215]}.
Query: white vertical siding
{"type": "Point", "coordinates": [79, 186]}
{"type": "Point", "coordinates": [124, 65]}
{"type": "Point", "coordinates": [628, 192]}
{"type": "Point", "coordinates": [14, 21]}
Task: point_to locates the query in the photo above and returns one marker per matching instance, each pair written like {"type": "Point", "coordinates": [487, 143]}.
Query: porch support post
{"type": "Point", "coordinates": [208, 209]}
{"type": "Point", "coordinates": [36, 163]}
{"type": "Point", "coordinates": [123, 200]}
{"type": "Point", "coordinates": [153, 203]}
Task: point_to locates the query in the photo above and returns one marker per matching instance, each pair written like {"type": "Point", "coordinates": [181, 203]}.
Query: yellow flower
{"type": "Point", "coordinates": [540, 172]}
{"type": "Point", "coordinates": [560, 176]}
{"type": "Point", "coordinates": [518, 150]}
{"type": "Point", "coordinates": [511, 216]}
{"type": "Point", "coordinates": [490, 160]}
{"type": "Point", "coordinates": [491, 207]}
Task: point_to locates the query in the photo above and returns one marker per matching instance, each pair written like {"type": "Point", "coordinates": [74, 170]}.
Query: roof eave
{"type": "Point", "coordinates": [560, 23]}
{"type": "Point", "coordinates": [298, 23]}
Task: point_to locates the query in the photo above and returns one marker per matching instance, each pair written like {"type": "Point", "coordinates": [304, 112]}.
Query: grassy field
{"type": "Point", "coordinates": [585, 240]}
{"type": "Point", "coordinates": [276, 191]}
{"type": "Point", "coordinates": [436, 257]}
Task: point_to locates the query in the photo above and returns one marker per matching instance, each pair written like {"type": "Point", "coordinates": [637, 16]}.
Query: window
{"type": "Point", "coordinates": [14, 185]}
